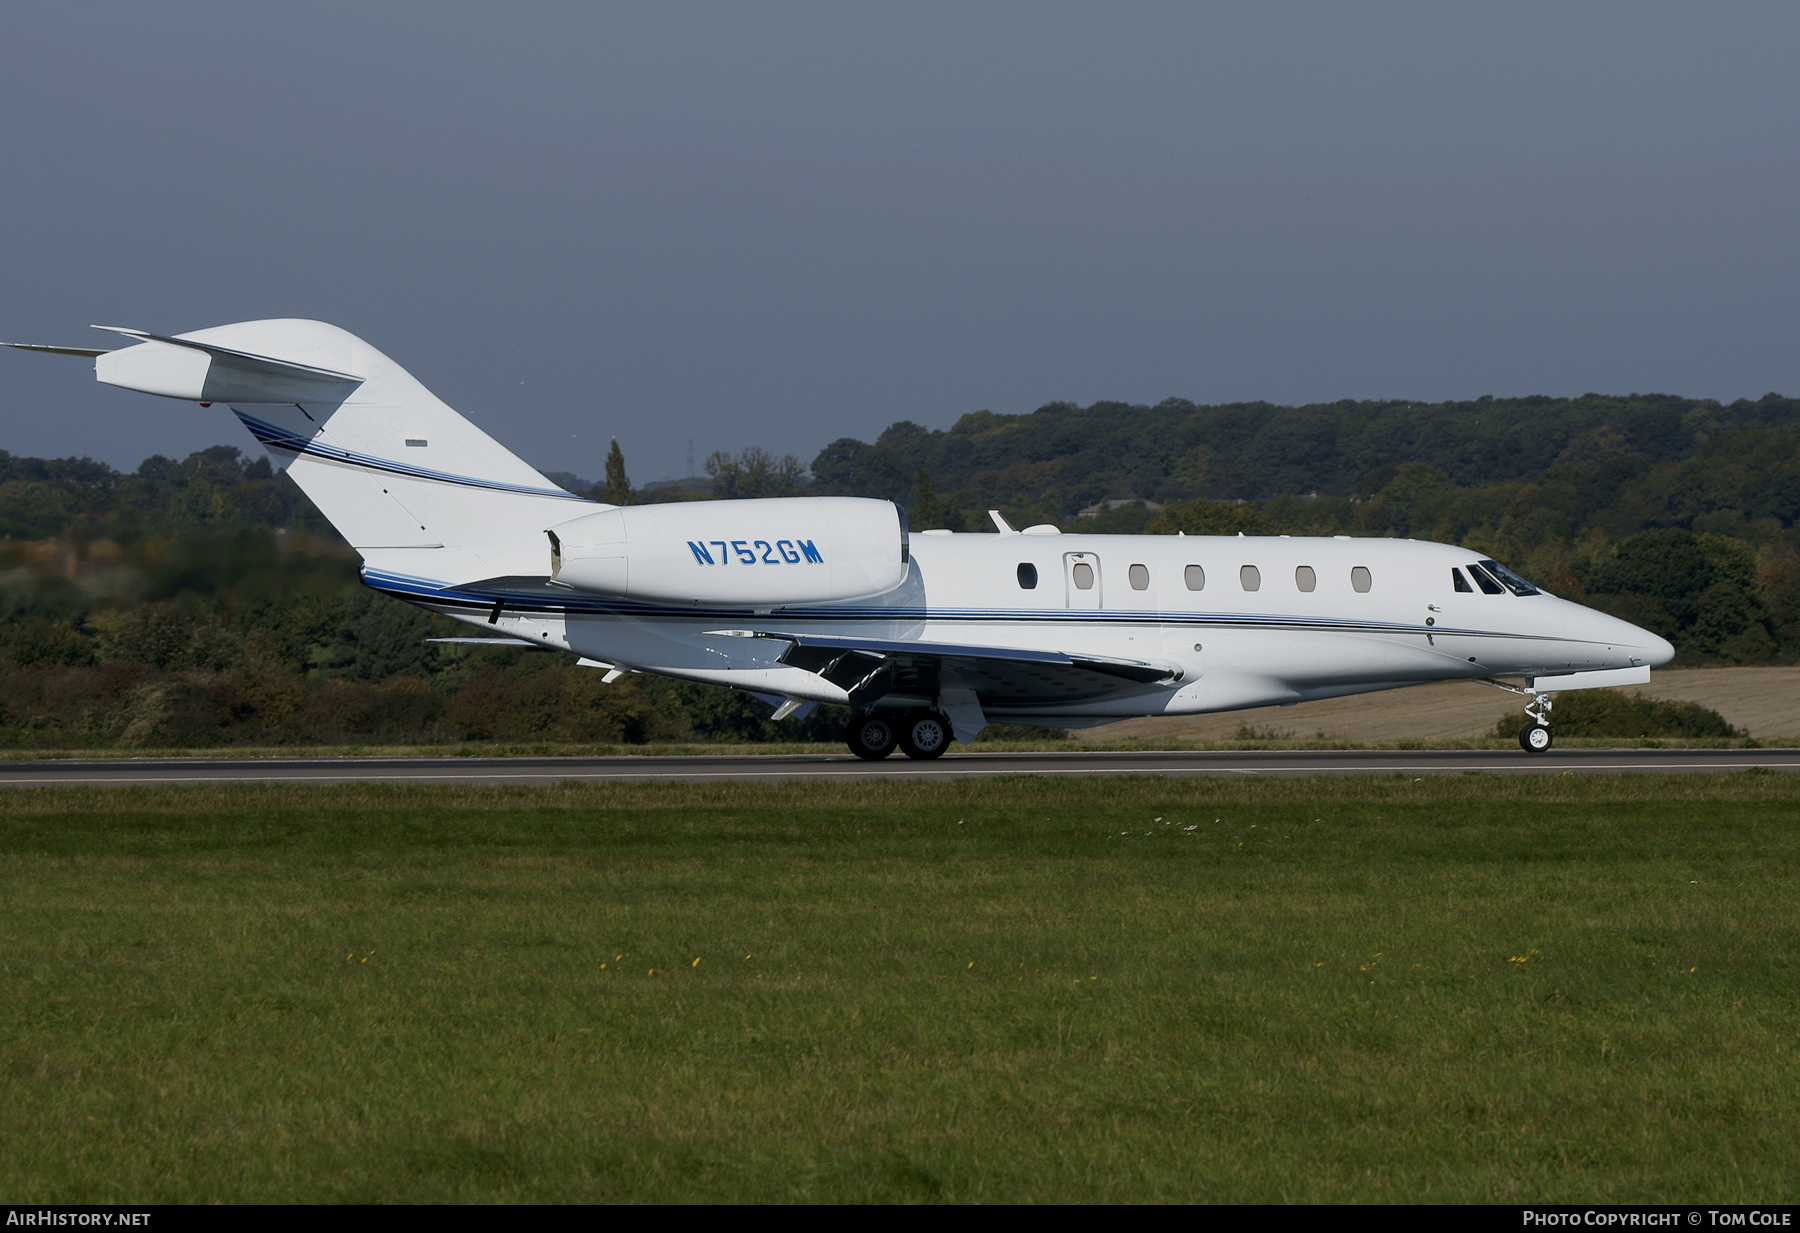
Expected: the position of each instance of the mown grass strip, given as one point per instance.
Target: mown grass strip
(1455, 989)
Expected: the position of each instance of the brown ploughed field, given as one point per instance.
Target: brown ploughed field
(1764, 702)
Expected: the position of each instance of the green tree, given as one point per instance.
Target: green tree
(1698, 591)
(617, 489)
(1660, 575)
(927, 514)
(382, 637)
(1210, 518)
(1406, 499)
(1194, 470)
(754, 472)
(1733, 621)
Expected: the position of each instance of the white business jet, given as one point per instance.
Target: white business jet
(815, 600)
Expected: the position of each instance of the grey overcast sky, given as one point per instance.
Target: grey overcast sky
(780, 224)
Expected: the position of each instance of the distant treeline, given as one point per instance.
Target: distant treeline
(1069, 457)
(207, 602)
(212, 489)
(244, 637)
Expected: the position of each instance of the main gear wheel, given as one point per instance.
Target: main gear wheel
(924, 734)
(871, 736)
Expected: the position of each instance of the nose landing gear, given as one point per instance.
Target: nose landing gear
(1534, 737)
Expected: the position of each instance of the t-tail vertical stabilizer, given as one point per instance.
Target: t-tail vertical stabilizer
(386, 461)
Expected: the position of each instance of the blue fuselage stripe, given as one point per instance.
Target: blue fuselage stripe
(280, 438)
(420, 590)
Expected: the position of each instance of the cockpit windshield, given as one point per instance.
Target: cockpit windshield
(1486, 581)
(1508, 579)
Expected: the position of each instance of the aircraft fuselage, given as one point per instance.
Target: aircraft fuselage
(1228, 616)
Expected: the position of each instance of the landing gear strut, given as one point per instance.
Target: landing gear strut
(1534, 737)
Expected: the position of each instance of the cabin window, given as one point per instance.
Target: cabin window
(1508, 579)
(1485, 581)
(1304, 578)
(1459, 582)
(1250, 578)
(1140, 578)
(1027, 576)
(1083, 573)
(1195, 578)
(1360, 581)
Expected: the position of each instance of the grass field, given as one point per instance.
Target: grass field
(1470, 989)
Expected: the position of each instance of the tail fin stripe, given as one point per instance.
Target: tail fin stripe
(283, 439)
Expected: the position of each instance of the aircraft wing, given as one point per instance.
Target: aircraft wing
(1000, 677)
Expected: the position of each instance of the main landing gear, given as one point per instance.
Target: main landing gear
(918, 734)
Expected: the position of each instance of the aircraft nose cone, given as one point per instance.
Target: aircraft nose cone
(1622, 638)
(1648, 648)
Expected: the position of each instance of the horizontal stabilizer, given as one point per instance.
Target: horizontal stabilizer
(205, 372)
(257, 363)
(90, 354)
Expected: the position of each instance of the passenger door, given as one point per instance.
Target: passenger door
(1081, 578)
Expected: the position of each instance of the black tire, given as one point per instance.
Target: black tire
(1534, 738)
(924, 735)
(871, 736)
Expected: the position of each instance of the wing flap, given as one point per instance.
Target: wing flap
(868, 669)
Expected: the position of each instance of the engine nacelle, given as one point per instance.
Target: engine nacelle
(765, 553)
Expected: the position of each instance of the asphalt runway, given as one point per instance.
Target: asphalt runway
(129, 772)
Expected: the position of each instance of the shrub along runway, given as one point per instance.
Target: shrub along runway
(1435, 988)
(780, 767)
